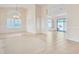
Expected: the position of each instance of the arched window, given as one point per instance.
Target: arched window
(14, 20)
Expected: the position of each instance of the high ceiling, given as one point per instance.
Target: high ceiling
(14, 5)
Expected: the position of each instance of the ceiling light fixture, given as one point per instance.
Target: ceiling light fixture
(16, 14)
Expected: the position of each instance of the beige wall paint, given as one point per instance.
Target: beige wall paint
(41, 18)
(31, 25)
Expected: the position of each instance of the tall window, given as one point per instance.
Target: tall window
(49, 24)
(61, 24)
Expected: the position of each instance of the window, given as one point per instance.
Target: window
(61, 24)
(13, 23)
(49, 23)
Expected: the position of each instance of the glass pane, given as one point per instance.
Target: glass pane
(61, 25)
(17, 23)
(49, 24)
(13, 23)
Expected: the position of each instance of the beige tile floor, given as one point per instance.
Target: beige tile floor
(37, 43)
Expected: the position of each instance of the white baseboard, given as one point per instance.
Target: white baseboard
(73, 39)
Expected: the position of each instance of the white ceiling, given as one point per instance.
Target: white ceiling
(14, 5)
(53, 9)
(56, 9)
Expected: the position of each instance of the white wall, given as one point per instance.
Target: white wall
(53, 11)
(72, 11)
(73, 22)
(41, 18)
(30, 26)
